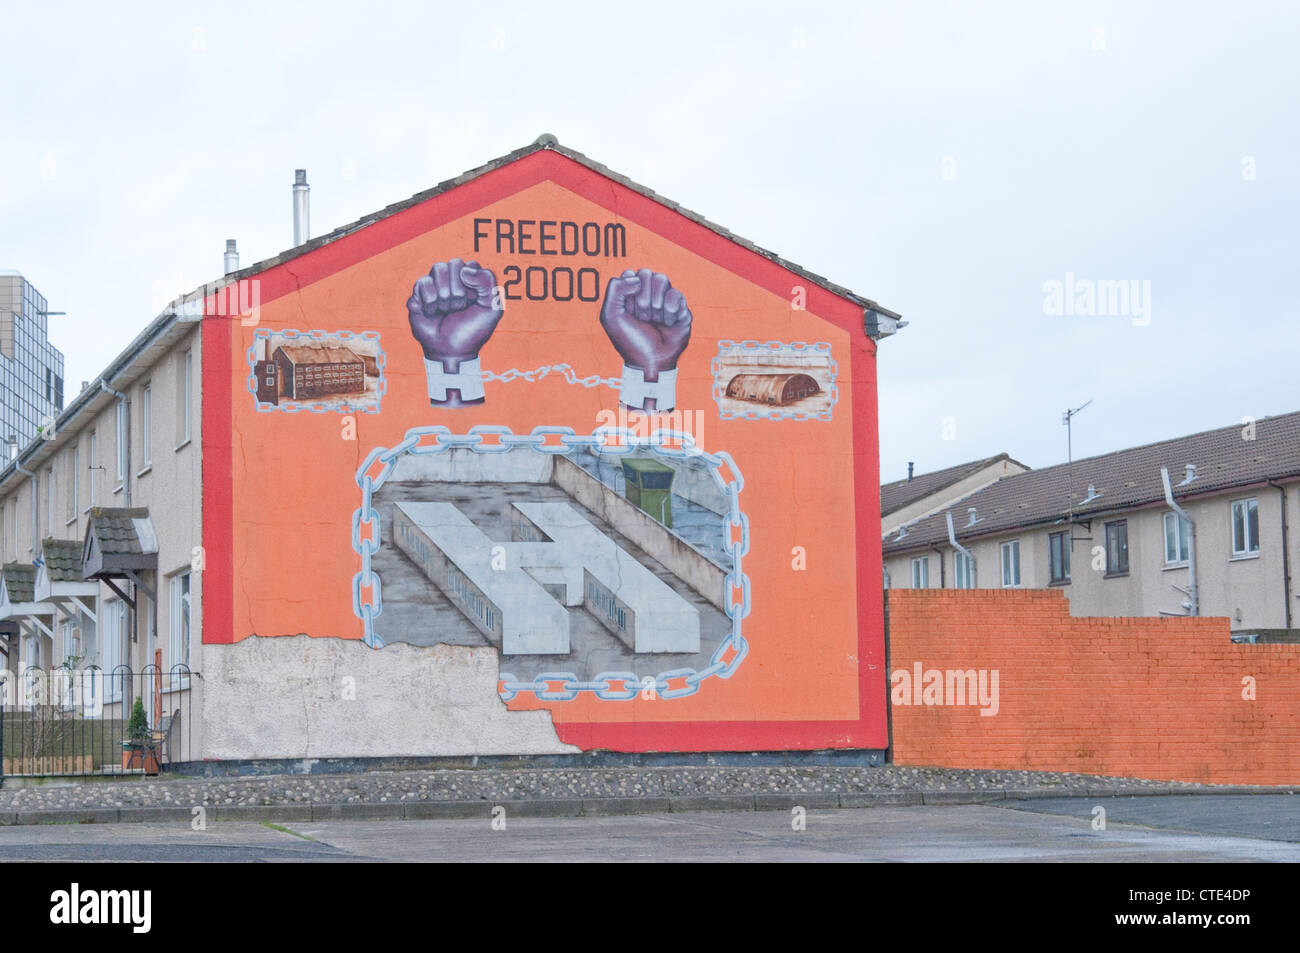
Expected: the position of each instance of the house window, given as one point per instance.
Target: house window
(121, 441)
(1177, 533)
(921, 572)
(146, 425)
(73, 479)
(89, 642)
(184, 383)
(1117, 548)
(178, 632)
(1058, 545)
(1011, 564)
(963, 571)
(1245, 527)
(72, 643)
(49, 500)
(111, 650)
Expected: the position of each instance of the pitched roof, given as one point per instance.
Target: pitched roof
(1224, 459)
(20, 581)
(62, 559)
(545, 141)
(120, 531)
(309, 354)
(902, 493)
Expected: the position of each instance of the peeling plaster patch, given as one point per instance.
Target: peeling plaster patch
(283, 697)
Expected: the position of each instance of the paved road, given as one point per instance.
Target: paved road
(1177, 829)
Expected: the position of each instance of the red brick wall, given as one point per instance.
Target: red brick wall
(1130, 697)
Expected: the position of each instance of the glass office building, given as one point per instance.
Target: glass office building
(31, 369)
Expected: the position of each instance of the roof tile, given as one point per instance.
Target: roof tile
(1224, 458)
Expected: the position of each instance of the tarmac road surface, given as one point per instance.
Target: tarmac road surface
(1177, 828)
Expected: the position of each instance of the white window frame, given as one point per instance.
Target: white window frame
(1066, 537)
(921, 572)
(1182, 533)
(49, 500)
(963, 570)
(1111, 571)
(1010, 579)
(121, 442)
(74, 479)
(184, 404)
(180, 629)
(70, 628)
(1246, 504)
(146, 426)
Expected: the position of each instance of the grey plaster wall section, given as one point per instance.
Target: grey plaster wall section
(697, 485)
(286, 697)
(465, 466)
(675, 554)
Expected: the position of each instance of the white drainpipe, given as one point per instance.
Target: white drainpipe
(1193, 595)
(952, 538)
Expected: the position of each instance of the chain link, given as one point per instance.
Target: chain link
(593, 380)
(729, 653)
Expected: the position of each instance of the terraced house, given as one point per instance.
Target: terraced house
(1103, 529)
(100, 529)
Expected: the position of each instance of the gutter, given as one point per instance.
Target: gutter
(1193, 595)
(952, 538)
(1286, 556)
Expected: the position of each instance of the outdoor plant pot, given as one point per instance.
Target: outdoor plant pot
(136, 757)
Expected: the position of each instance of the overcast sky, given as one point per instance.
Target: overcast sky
(947, 160)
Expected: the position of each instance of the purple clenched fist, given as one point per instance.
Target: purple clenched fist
(454, 309)
(649, 324)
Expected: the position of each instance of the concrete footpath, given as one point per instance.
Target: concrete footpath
(551, 792)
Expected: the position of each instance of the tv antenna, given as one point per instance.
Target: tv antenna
(1066, 417)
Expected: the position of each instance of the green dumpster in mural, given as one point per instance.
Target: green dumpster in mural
(649, 485)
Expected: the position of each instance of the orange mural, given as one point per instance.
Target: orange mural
(542, 413)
